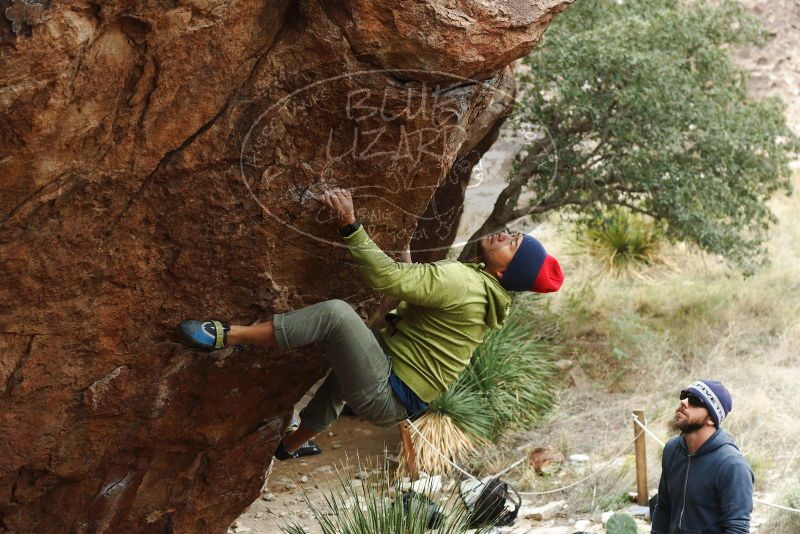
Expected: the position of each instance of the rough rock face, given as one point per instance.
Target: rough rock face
(470, 39)
(159, 161)
(775, 67)
(437, 227)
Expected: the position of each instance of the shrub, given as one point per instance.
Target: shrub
(621, 524)
(784, 521)
(508, 385)
(622, 242)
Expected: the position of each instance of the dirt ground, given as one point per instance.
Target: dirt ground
(349, 441)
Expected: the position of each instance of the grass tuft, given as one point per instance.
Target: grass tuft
(442, 432)
(623, 243)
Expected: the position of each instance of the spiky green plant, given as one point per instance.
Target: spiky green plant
(514, 372)
(372, 508)
(465, 404)
(455, 423)
(622, 242)
(507, 384)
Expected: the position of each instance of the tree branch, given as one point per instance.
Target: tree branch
(636, 209)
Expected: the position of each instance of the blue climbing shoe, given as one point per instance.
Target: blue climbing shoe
(207, 335)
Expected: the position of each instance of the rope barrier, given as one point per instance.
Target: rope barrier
(510, 467)
(584, 479)
(518, 462)
(647, 430)
(660, 442)
(577, 482)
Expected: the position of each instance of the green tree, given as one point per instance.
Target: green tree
(637, 105)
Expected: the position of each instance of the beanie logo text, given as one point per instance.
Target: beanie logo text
(711, 399)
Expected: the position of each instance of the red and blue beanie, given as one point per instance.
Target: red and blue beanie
(532, 269)
(715, 396)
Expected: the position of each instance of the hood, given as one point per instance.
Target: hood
(718, 439)
(498, 300)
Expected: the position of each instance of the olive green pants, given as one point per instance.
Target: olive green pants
(359, 368)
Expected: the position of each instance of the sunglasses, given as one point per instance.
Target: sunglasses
(693, 399)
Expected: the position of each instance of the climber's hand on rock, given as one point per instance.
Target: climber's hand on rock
(340, 202)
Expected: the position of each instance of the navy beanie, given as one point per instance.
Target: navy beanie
(522, 270)
(715, 396)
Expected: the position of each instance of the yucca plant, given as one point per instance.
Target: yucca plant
(456, 422)
(623, 243)
(448, 439)
(465, 404)
(508, 384)
(514, 373)
(380, 508)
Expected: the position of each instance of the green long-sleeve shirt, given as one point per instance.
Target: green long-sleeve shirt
(446, 310)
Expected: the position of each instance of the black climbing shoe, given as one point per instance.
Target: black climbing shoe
(309, 448)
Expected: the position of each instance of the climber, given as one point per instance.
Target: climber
(446, 309)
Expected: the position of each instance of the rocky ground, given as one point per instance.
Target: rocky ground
(350, 441)
(353, 442)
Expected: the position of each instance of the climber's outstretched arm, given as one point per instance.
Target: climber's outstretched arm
(424, 284)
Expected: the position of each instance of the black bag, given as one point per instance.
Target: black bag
(489, 501)
(433, 512)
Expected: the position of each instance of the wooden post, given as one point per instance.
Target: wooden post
(641, 459)
(408, 450)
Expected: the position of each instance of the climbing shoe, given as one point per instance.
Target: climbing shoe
(207, 335)
(309, 448)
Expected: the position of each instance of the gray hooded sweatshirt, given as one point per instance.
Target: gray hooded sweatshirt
(708, 492)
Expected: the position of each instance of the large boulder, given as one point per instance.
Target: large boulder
(434, 40)
(160, 161)
(438, 226)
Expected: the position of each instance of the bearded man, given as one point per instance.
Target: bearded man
(706, 483)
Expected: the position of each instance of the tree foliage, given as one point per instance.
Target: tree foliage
(637, 104)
